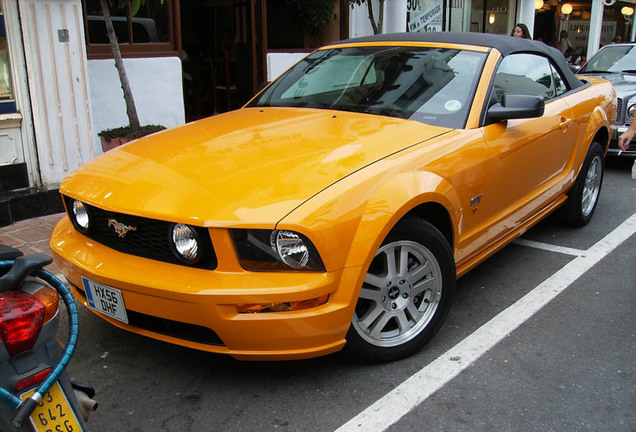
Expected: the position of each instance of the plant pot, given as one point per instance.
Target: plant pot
(111, 143)
(112, 138)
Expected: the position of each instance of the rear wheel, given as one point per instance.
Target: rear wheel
(406, 294)
(582, 199)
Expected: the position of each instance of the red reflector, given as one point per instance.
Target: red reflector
(33, 380)
(21, 319)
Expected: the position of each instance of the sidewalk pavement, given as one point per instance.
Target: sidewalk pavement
(31, 236)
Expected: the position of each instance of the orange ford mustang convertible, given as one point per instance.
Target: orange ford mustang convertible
(336, 210)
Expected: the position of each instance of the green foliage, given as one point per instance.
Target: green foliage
(314, 14)
(129, 132)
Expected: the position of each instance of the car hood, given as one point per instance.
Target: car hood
(253, 165)
(624, 84)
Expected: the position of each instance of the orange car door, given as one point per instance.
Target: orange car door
(531, 155)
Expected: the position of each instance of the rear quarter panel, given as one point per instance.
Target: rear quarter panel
(594, 108)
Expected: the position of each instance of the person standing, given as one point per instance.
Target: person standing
(565, 46)
(623, 143)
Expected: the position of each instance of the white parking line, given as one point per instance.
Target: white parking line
(548, 247)
(390, 408)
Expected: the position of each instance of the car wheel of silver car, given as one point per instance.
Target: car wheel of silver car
(583, 197)
(406, 294)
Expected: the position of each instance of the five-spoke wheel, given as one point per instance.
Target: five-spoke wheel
(406, 294)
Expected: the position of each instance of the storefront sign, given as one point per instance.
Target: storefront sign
(430, 20)
(578, 34)
(414, 5)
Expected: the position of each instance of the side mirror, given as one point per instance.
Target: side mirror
(516, 106)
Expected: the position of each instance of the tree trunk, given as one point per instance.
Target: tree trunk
(131, 110)
(376, 25)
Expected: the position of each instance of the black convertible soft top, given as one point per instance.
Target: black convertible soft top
(506, 45)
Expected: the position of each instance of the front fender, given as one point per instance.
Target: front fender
(391, 202)
(349, 221)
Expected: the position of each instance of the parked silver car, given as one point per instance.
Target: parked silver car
(617, 64)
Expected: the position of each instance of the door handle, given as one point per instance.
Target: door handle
(565, 123)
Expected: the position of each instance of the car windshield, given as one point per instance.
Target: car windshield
(430, 85)
(613, 59)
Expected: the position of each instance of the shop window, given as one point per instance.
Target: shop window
(7, 100)
(283, 31)
(303, 25)
(149, 30)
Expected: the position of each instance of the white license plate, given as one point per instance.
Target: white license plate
(105, 299)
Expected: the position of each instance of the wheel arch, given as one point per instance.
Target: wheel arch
(425, 195)
(597, 130)
(438, 216)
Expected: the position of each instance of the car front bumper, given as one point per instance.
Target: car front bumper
(177, 304)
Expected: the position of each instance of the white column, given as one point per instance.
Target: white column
(525, 15)
(394, 16)
(596, 26)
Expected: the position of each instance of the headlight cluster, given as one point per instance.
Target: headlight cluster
(631, 111)
(266, 250)
(81, 219)
(186, 243)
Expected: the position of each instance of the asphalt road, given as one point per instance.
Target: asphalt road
(568, 366)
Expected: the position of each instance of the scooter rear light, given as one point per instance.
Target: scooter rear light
(21, 319)
(33, 380)
(51, 301)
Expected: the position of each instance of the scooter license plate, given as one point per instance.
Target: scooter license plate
(105, 299)
(53, 413)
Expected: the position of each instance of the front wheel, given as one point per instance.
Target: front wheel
(583, 197)
(406, 294)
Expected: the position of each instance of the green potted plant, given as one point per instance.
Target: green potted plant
(315, 16)
(112, 138)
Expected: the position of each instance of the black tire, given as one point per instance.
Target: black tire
(583, 197)
(399, 312)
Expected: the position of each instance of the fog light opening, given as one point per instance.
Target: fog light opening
(282, 306)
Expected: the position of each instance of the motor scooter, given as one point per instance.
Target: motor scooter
(36, 392)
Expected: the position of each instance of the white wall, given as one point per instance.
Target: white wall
(156, 86)
(277, 63)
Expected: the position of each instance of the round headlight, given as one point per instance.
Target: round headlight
(185, 242)
(631, 111)
(291, 248)
(82, 220)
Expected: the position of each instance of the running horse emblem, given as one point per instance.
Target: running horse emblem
(120, 228)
